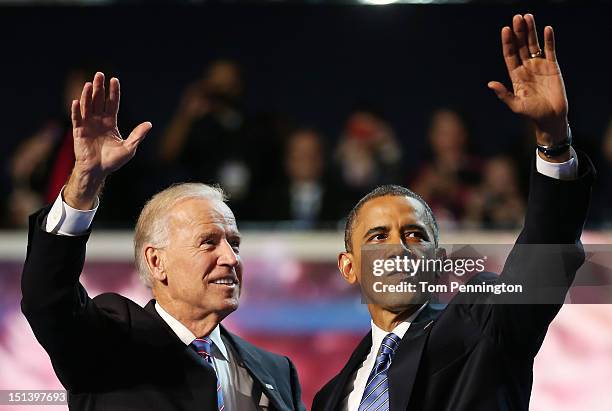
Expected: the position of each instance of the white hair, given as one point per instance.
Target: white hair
(152, 227)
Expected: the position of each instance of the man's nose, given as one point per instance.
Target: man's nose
(227, 254)
(397, 248)
(397, 240)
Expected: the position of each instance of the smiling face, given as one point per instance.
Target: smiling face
(395, 225)
(200, 271)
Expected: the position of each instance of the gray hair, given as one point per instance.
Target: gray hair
(152, 227)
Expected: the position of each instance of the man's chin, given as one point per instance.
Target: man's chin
(398, 303)
(398, 308)
(228, 306)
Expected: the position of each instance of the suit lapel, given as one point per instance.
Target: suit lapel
(251, 360)
(153, 331)
(158, 332)
(165, 338)
(341, 380)
(403, 370)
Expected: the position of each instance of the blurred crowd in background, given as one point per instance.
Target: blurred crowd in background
(279, 174)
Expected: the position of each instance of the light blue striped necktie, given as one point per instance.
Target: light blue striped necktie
(203, 346)
(376, 393)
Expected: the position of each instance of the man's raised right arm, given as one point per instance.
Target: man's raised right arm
(53, 300)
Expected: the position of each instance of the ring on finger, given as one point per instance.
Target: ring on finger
(537, 54)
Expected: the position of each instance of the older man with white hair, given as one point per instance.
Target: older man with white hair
(173, 354)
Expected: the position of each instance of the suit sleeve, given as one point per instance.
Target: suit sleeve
(65, 320)
(296, 389)
(544, 260)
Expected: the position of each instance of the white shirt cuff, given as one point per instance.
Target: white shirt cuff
(65, 220)
(567, 170)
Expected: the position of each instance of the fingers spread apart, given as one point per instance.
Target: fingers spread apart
(520, 33)
(93, 97)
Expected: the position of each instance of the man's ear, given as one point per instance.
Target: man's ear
(155, 258)
(345, 265)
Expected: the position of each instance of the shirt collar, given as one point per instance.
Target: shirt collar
(186, 336)
(378, 334)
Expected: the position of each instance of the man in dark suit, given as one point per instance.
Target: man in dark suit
(308, 196)
(173, 354)
(477, 352)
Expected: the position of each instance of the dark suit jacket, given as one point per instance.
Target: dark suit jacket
(112, 354)
(477, 353)
(335, 203)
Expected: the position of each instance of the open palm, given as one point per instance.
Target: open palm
(98, 146)
(538, 88)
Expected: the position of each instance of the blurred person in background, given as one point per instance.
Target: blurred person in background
(368, 153)
(446, 180)
(309, 196)
(497, 202)
(211, 118)
(111, 353)
(602, 203)
(42, 164)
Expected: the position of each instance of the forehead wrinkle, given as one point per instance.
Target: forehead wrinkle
(197, 220)
(410, 211)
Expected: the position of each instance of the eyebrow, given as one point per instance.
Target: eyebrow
(206, 234)
(418, 227)
(413, 227)
(234, 235)
(218, 232)
(405, 227)
(377, 229)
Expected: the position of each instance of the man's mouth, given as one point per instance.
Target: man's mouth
(226, 281)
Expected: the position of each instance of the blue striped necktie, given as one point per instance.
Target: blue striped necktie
(376, 393)
(203, 346)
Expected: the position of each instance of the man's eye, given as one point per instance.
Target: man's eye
(235, 245)
(378, 237)
(415, 235)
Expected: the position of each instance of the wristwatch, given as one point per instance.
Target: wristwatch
(559, 148)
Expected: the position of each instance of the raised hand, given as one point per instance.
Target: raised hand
(538, 88)
(99, 148)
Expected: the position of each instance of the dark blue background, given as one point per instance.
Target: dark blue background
(310, 62)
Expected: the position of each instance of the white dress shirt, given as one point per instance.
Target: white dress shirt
(357, 383)
(567, 170)
(236, 383)
(65, 220)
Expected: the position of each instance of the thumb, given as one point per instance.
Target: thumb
(137, 135)
(503, 94)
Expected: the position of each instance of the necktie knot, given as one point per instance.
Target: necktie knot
(389, 344)
(203, 346)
